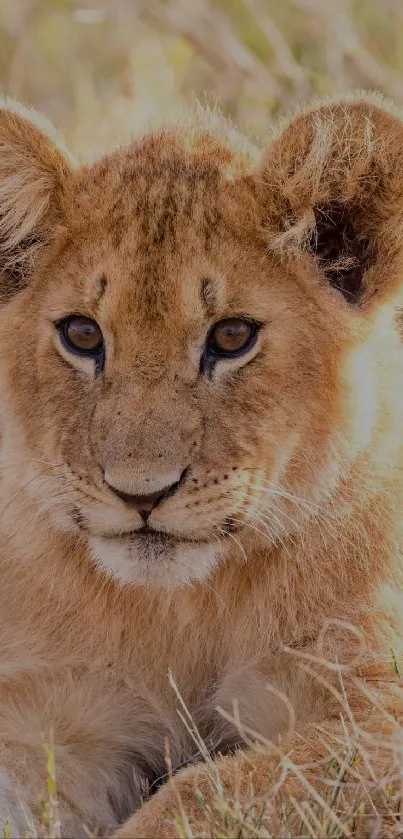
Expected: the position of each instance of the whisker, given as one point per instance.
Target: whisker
(283, 493)
(237, 542)
(318, 519)
(218, 596)
(246, 523)
(327, 517)
(48, 463)
(274, 539)
(23, 488)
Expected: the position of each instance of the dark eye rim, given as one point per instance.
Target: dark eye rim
(61, 325)
(218, 354)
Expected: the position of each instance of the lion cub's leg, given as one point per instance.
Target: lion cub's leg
(16, 816)
(89, 796)
(338, 769)
(96, 777)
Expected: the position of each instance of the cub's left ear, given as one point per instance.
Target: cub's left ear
(332, 191)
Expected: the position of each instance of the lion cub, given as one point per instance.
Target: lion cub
(201, 429)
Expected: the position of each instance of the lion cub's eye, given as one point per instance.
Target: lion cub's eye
(82, 336)
(231, 337)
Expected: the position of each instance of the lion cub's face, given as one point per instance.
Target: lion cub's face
(173, 385)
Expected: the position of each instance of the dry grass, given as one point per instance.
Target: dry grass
(103, 71)
(353, 801)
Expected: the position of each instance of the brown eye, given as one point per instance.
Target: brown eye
(232, 336)
(82, 336)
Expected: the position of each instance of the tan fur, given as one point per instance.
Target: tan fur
(286, 528)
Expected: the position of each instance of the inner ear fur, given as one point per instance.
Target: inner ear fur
(34, 174)
(332, 189)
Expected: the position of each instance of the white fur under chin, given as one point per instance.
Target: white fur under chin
(178, 564)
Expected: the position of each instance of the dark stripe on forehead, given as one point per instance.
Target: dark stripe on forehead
(103, 282)
(97, 289)
(170, 197)
(208, 295)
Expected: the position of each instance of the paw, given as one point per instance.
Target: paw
(206, 800)
(178, 807)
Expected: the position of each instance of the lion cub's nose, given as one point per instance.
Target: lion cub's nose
(145, 504)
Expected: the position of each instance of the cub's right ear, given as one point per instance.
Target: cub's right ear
(34, 176)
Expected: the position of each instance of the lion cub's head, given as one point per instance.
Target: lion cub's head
(187, 335)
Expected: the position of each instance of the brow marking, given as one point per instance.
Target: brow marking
(208, 295)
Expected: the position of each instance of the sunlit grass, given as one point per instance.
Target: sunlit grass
(104, 70)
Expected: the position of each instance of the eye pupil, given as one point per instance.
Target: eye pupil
(231, 336)
(81, 335)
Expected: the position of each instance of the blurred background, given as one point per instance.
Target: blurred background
(103, 70)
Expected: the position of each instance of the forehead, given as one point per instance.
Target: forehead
(148, 195)
(160, 223)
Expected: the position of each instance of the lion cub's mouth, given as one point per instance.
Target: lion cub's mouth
(149, 536)
(140, 532)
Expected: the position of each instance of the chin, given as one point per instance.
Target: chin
(155, 560)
